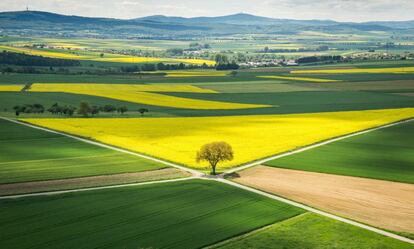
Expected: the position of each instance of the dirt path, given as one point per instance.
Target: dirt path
(91, 181)
(385, 204)
(196, 174)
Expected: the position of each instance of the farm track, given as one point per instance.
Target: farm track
(198, 175)
(92, 188)
(8, 189)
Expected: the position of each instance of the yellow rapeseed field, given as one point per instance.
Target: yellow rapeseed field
(315, 80)
(90, 87)
(252, 137)
(179, 74)
(143, 94)
(94, 56)
(11, 88)
(397, 70)
(44, 53)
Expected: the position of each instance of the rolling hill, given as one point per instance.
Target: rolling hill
(158, 26)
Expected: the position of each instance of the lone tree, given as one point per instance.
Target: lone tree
(84, 109)
(142, 111)
(122, 109)
(214, 153)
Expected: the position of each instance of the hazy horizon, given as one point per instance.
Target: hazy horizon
(338, 10)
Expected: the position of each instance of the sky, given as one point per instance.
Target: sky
(339, 10)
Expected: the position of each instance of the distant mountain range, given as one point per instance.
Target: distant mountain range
(46, 23)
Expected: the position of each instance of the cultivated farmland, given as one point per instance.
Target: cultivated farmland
(10, 88)
(252, 137)
(127, 107)
(30, 155)
(304, 232)
(186, 214)
(143, 94)
(383, 154)
(379, 203)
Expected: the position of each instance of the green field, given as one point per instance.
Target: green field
(311, 231)
(10, 99)
(385, 154)
(303, 101)
(186, 214)
(28, 154)
(282, 102)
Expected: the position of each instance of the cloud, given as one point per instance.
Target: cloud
(343, 10)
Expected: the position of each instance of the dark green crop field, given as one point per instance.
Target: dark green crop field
(310, 231)
(302, 102)
(10, 99)
(27, 154)
(382, 154)
(186, 214)
(282, 102)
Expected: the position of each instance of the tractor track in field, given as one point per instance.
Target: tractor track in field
(220, 178)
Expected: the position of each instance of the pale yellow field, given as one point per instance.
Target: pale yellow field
(143, 94)
(11, 88)
(43, 53)
(314, 80)
(94, 56)
(179, 74)
(397, 70)
(252, 137)
(82, 87)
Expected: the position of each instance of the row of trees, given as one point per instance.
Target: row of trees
(161, 66)
(324, 58)
(84, 109)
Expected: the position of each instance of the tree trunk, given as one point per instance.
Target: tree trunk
(213, 166)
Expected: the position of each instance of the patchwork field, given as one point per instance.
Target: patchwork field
(317, 80)
(164, 87)
(96, 56)
(310, 231)
(143, 94)
(252, 137)
(29, 155)
(379, 203)
(186, 214)
(396, 70)
(382, 154)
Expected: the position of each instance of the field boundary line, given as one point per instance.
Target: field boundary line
(192, 171)
(316, 211)
(199, 175)
(312, 146)
(253, 232)
(58, 192)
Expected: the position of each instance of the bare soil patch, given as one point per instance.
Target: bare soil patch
(93, 181)
(384, 204)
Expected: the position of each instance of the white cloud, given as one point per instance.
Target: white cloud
(343, 10)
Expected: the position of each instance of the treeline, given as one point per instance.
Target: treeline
(162, 66)
(84, 109)
(19, 59)
(293, 50)
(223, 63)
(322, 58)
